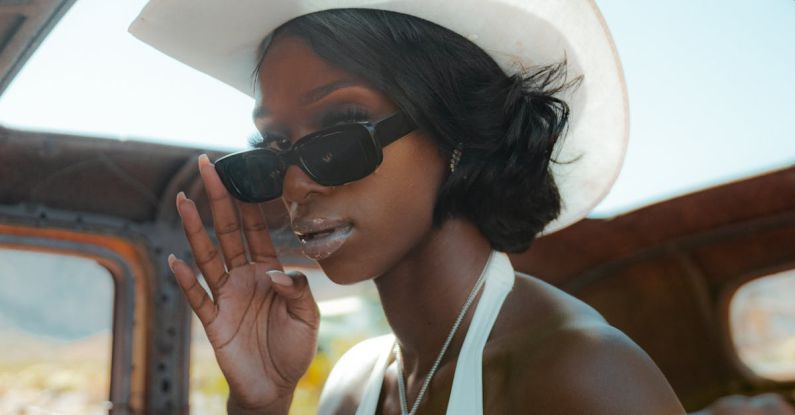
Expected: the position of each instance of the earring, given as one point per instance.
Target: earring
(455, 157)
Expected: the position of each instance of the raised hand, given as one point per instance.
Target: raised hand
(261, 322)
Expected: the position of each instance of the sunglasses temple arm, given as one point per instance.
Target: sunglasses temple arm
(392, 128)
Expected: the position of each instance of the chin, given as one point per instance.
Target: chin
(342, 271)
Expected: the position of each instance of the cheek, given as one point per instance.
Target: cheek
(407, 183)
(393, 208)
(403, 208)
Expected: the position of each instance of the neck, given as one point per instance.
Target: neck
(424, 293)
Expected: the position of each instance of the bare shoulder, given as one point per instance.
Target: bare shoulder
(346, 382)
(594, 368)
(573, 361)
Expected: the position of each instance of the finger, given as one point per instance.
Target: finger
(197, 297)
(294, 288)
(227, 226)
(204, 251)
(255, 227)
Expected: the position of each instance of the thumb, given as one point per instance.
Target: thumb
(294, 288)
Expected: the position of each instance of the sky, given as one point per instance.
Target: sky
(710, 83)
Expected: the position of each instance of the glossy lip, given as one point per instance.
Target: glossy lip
(336, 232)
(305, 227)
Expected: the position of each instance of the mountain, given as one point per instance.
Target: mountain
(58, 296)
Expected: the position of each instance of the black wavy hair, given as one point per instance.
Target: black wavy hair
(506, 126)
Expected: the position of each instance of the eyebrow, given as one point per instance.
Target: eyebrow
(314, 95)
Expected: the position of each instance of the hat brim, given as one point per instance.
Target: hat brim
(222, 39)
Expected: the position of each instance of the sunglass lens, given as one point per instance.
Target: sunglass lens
(340, 156)
(254, 176)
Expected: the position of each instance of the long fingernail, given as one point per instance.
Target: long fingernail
(204, 161)
(171, 261)
(280, 278)
(180, 198)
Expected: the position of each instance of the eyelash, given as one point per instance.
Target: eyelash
(344, 115)
(268, 141)
(329, 119)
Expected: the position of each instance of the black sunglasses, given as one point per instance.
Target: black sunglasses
(331, 157)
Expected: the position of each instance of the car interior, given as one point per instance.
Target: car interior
(92, 321)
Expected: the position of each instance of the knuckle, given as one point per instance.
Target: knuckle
(223, 279)
(195, 284)
(192, 228)
(202, 302)
(238, 258)
(227, 228)
(265, 259)
(209, 256)
(257, 226)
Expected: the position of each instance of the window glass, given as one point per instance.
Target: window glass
(346, 318)
(763, 325)
(91, 77)
(56, 316)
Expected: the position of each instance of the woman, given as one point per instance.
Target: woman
(405, 155)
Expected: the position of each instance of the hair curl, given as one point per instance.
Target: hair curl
(506, 126)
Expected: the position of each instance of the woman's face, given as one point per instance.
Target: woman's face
(358, 230)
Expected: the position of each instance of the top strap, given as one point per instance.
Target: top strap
(466, 396)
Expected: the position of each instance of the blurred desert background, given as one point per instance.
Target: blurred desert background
(56, 315)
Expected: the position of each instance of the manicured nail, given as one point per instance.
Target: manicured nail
(180, 198)
(171, 261)
(204, 161)
(280, 278)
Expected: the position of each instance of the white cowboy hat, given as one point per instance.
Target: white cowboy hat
(222, 38)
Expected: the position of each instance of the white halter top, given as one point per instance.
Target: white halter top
(466, 396)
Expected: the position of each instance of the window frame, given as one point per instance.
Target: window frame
(118, 257)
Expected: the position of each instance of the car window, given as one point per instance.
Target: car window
(91, 77)
(762, 314)
(56, 314)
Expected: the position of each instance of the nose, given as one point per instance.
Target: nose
(298, 187)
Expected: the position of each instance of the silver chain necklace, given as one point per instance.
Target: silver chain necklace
(399, 355)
